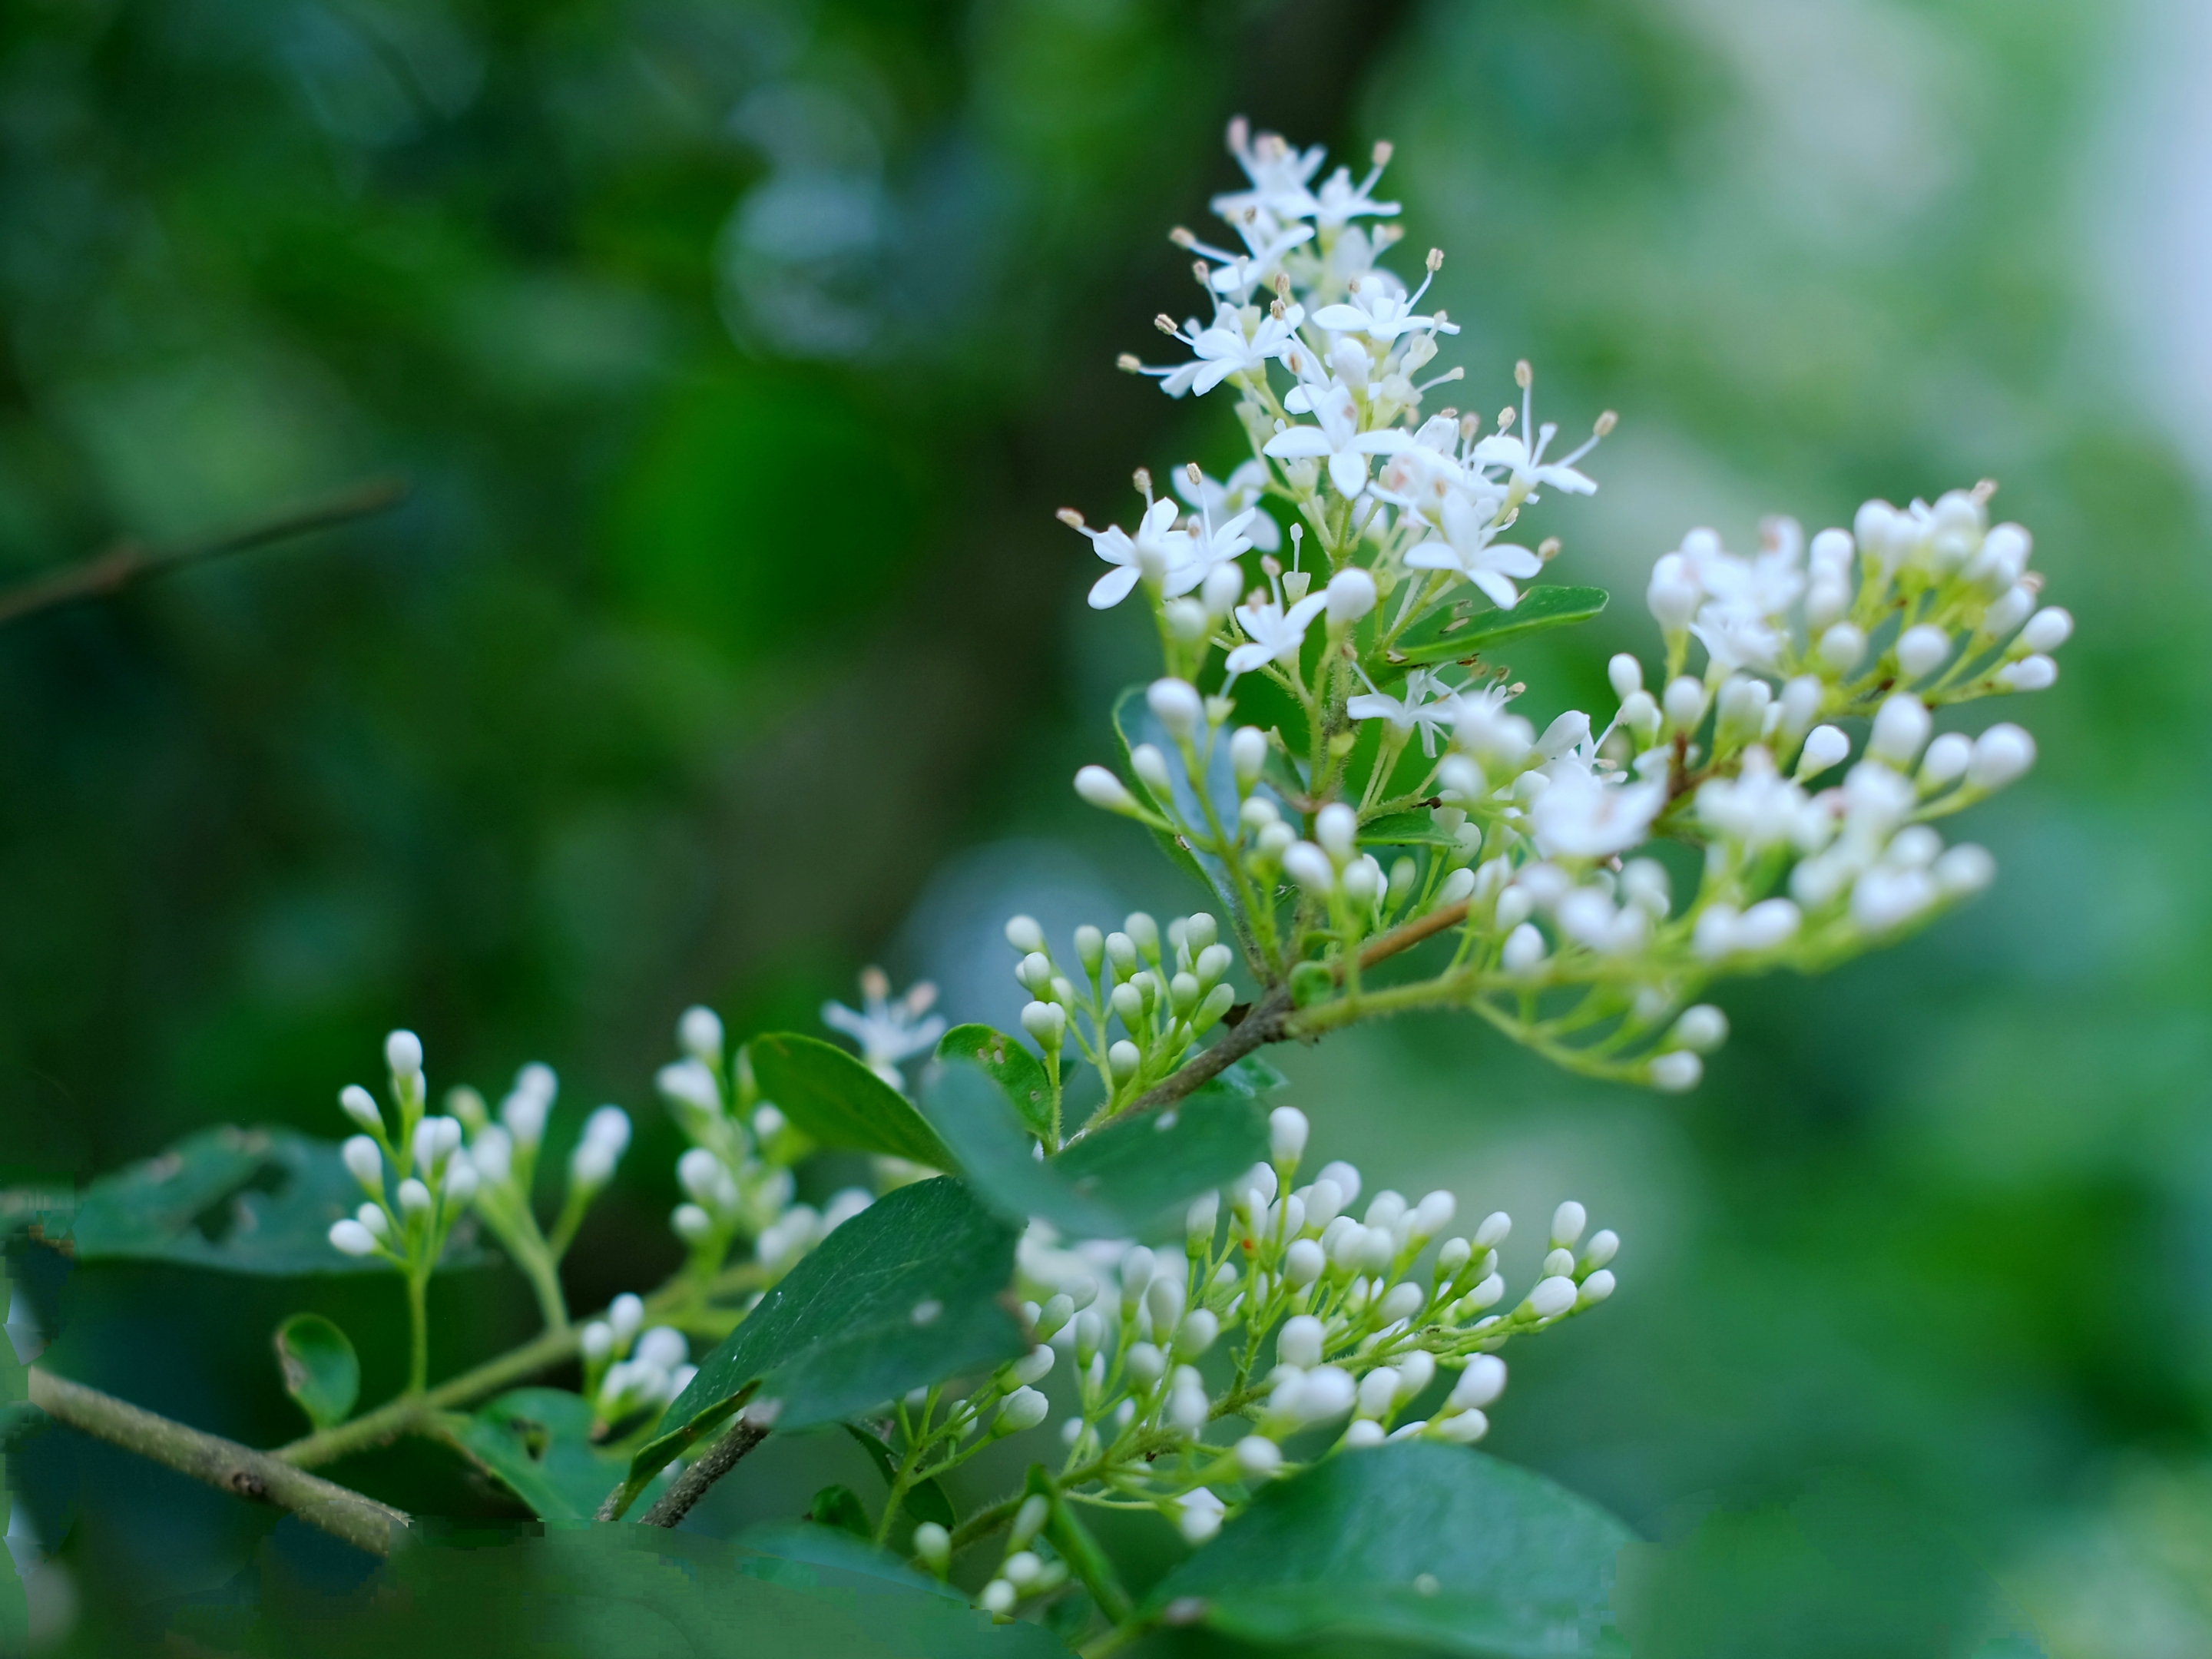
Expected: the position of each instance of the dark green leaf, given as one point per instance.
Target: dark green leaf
(1008, 1064)
(1117, 1180)
(1414, 829)
(907, 1293)
(242, 1200)
(566, 1589)
(839, 1507)
(1415, 1542)
(1540, 608)
(925, 1502)
(320, 1369)
(539, 1442)
(838, 1103)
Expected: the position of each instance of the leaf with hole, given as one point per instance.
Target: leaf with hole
(909, 1292)
(321, 1372)
(1415, 1542)
(838, 1103)
(1541, 608)
(1118, 1181)
(538, 1442)
(1010, 1065)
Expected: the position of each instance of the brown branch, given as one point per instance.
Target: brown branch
(127, 562)
(717, 1460)
(256, 1476)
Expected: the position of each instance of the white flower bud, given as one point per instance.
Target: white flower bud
(624, 1315)
(1336, 828)
(663, 1348)
(1402, 1301)
(414, 1197)
(358, 1104)
(1842, 646)
(1286, 1135)
(1452, 1255)
(1463, 1427)
(1901, 726)
(1595, 1288)
(2036, 673)
(1964, 869)
(1675, 1071)
(1103, 790)
(1144, 930)
(1460, 779)
(690, 1223)
(1625, 674)
(371, 1217)
(1703, 1028)
(996, 1597)
(1024, 935)
(1200, 1515)
(1305, 1262)
(1433, 1214)
(1921, 650)
(1361, 1432)
(1058, 1309)
(1195, 1335)
(2048, 628)
(1553, 1297)
(1947, 759)
(1378, 1391)
(1523, 951)
(364, 1162)
(2010, 610)
(1090, 1332)
(1602, 1248)
(1123, 1059)
(1025, 1408)
(460, 1183)
(1033, 1366)
(1351, 596)
(1414, 1371)
(1824, 746)
(1223, 586)
(1673, 595)
(1152, 769)
(1046, 1022)
(1485, 1294)
(1567, 1223)
(934, 1545)
(1199, 1220)
(349, 1237)
(1308, 865)
(403, 1053)
(1258, 1457)
(699, 1033)
(1299, 1342)
(1684, 702)
(1163, 1301)
(1362, 880)
(1480, 1383)
(1177, 706)
(2001, 753)
(1247, 755)
(1212, 963)
(1137, 1270)
(595, 1341)
(1496, 1226)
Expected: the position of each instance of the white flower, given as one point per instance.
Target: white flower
(1244, 487)
(1338, 437)
(1586, 815)
(1279, 176)
(1467, 549)
(888, 1030)
(1275, 634)
(1223, 348)
(1380, 308)
(1413, 710)
(1526, 469)
(1339, 201)
(1268, 244)
(1160, 551)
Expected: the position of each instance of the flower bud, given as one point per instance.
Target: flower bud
(1258, 1457)
(414, 1197)
(1090, 1332)
(1200, 1515)
(691, 1223)
(1351, 596)
(1177, 706)
(1402, 1301)
(403, 1053)
(1553, 1297)
(1336, 827)
(1033, 1366)
(1247, 755)
(358, 1104)
(1308, 865)
(932, 1545)
(1144, 930)
(1025, 1408)
(1305, 1262)
(349, 1237)
(1286, 1135)
(1123, 1059)
(1921, 650)
(1163, 1301)
(1046, 1023)
(2001, 753)
(624, 1315)
(1675, 1071)
(1947, 760)
(1480, 1383)
(1152, 769)
(1702, 1029)
(1841, 646)
(1626, 675)
(364, 1162)
(1433, 1214)
(460, 1183)
(1104, 790)
(372, 1216)
(1362, 880)
(2035, 674)
(1672, 595)
(1223, 586)
(595, 1341)
(1595, 1288)
(1684, 702)
(2012, 609)
(1602, 1248)
(1378, 1391)
(2048, 628)
(1195, 1335)
(1824, 746)
(996, 1597)
(1523, 951)
(1964, 869)
(1213, 962)
(1901, 726)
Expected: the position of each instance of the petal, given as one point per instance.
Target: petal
(1433, 556)
(1348, 470)
(1110, 589)
(1246, 657)
(1303, 612)
(1567, 479)
(1389, 441)
(1299, 441)
(1341, 318)
(1497, 586)
(1512, 560)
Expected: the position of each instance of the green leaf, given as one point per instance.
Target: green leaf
(240, 1201)
(1415, 1542)
(1007, 1063)
(1414, 829)
(1115, 1181)
(1540, 608)
(840, 1105)
(840, 1507)
(561, 1589)
(926, 1502)
(907, 1293)
(538, 1442)
(320, 1369)
(1085, 1559)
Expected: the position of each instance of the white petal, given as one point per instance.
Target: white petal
(1110, 589)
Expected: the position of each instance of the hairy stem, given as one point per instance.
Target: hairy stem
(257, 1476)
(717, 1460)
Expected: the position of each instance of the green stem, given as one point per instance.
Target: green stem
(418, 1329)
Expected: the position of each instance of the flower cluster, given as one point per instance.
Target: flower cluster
(629, 1370)
(1381, 789)
(1288, 1327)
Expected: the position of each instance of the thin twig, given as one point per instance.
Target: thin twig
(239, 1470)
(127, 562)
(717, 1460)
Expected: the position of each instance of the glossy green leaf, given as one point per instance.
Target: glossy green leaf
(1540, 608)
(1414, 829)
(907, 1293)
(1007, 1063)
(569, 1589)
(838, 1103)
(1115, 1181)
(321, 1372)
(925, 1502)
(240, 1201)
(538, 1442)
(1415, 1542)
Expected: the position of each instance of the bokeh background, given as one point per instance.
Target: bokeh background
(738, 352)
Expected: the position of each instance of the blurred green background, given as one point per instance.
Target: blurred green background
(739, 351)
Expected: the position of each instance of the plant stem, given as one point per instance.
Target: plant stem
(717, 1460)
(418, 1329)
(345, 1514)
